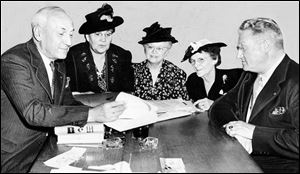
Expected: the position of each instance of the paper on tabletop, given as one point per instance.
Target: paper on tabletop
(65, 158)
(138, 113)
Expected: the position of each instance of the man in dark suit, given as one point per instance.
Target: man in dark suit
(35, 93)
(262, 110)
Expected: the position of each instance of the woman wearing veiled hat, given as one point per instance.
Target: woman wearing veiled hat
(208, 83)
(157, 78)
(98, 65)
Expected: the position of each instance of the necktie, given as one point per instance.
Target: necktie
(53, 77)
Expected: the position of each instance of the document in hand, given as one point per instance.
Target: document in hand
(89, 133)
(138, 113)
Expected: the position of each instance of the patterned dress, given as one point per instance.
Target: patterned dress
(170, 82)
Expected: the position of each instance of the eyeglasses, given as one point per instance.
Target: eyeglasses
(157, 49)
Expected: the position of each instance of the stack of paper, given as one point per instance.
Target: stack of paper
(90, 133)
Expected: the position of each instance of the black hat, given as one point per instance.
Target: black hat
(195, 47)
(155, 33)
(100, 20)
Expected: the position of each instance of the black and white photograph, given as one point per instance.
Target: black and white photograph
(150, 86)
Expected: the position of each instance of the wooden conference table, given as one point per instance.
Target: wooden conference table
(201, 147)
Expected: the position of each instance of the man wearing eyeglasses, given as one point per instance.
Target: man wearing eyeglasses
(98, 65)
(262, 111)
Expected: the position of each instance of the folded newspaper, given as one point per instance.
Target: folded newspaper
(88, 134)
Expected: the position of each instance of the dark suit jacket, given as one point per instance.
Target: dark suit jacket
(196, 89)
(28, 110)
(81, 68)
(276, 134)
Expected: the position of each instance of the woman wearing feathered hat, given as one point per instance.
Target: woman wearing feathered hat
(98, 65)
(208, 83)
(157, 78)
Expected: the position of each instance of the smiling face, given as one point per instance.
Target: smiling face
(155, 52)
(203, 63)
(56, 36)
(100, 41)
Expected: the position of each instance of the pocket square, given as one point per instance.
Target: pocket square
(278, 111)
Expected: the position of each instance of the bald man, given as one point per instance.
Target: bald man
(35, 93)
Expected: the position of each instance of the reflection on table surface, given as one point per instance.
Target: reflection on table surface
(201, 147)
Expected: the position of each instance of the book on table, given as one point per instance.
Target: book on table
(91, 133)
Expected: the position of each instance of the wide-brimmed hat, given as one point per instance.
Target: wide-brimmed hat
(195, 47)
(100, 20)
(155, 33)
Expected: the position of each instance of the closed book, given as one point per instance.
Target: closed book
(70, 129)
(81, 138)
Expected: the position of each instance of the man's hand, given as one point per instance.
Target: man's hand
(239, 128)
(106, 112)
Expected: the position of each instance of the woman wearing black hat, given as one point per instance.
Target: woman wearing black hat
(157, 78)
(97, 65)
(208, 83)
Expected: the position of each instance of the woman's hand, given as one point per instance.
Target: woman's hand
(203, 104)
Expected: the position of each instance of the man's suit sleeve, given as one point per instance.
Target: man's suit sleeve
(31, 101)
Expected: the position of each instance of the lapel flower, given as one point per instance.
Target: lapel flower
(224, 77)
(67, 83)
(221, 92)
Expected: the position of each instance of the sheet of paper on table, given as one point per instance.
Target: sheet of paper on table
(173, 108)
(65, 158)
(141, 112)
(172, 165)
(138, 113)
(119, 167)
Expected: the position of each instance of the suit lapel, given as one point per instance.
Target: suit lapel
(39, 67)
(60, 82)
(245, 93)
(271, 89)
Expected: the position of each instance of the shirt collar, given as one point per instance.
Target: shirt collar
(265, 76)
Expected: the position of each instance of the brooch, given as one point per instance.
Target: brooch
(224, 77)
(67, 83)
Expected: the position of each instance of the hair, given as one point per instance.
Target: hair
(213, 51)
(264, 26)
(41, 16)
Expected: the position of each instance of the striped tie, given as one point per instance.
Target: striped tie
(53, 77)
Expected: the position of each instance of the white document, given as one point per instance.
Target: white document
(119, 167)
(65, 158)
(172, 165)
(173, 105)
(135, 106)
(173, 108)
(138, 113)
